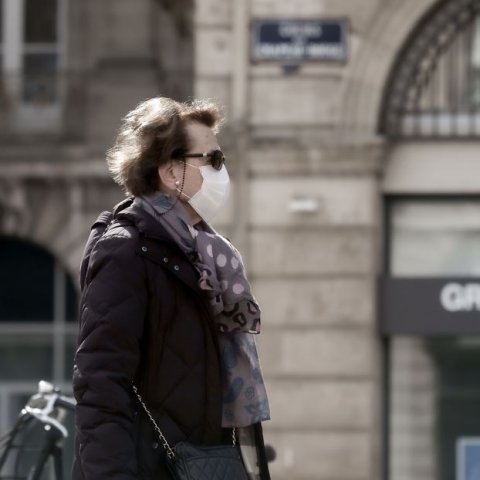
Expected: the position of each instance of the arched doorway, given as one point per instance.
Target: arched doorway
(429, 310)
(38, 311)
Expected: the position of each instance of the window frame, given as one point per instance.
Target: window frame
(25, 116)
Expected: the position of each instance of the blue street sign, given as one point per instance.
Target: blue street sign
(299, 40)
(468, 458)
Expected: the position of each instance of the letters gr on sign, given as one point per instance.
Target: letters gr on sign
(298, 40)
(455, 297)
(430, 306)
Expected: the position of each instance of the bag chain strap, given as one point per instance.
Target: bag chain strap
(165, 444)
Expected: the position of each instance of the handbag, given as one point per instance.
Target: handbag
(187, 461)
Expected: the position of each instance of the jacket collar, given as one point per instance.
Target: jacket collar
(173, 259)
(145, 223)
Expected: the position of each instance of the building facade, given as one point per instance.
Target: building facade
(354, 181)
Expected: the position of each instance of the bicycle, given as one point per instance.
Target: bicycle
(43, 414)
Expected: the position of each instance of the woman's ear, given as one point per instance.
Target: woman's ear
(167, 177)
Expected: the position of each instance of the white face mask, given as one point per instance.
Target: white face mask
(213, 193)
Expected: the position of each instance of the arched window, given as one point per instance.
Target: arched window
(37, 314)
(434, 87)
(37, 326)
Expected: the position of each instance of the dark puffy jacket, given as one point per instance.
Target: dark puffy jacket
(143, 319)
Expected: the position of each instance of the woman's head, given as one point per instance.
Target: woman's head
(155, 133)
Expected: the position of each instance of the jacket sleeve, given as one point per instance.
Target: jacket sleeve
(96, 231)
(112, 316)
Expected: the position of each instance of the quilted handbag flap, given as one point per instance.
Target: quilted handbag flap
(220, 462)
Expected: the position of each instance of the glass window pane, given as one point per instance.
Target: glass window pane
(40, 79)
(40, 63)
(40, 21)
(28, 358)
(71, 303)
(26, 282)
(435, 238)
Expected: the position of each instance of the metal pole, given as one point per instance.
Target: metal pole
(59, 324)
(240, 67)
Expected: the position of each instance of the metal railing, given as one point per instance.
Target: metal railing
(434, 88)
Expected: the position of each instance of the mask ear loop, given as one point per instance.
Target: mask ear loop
(180, 192)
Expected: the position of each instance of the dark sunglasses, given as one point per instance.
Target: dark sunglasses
(216, 158)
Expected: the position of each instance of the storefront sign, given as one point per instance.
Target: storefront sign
(430, 306)
(299, 40)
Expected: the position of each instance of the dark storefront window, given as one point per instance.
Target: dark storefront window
(433, 387)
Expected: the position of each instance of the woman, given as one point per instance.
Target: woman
(166, 307)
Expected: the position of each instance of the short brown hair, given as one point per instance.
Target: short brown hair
(150, 135)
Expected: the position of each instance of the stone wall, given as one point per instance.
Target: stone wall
(314, 273)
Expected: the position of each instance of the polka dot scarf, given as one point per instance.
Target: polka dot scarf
(237, 315)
